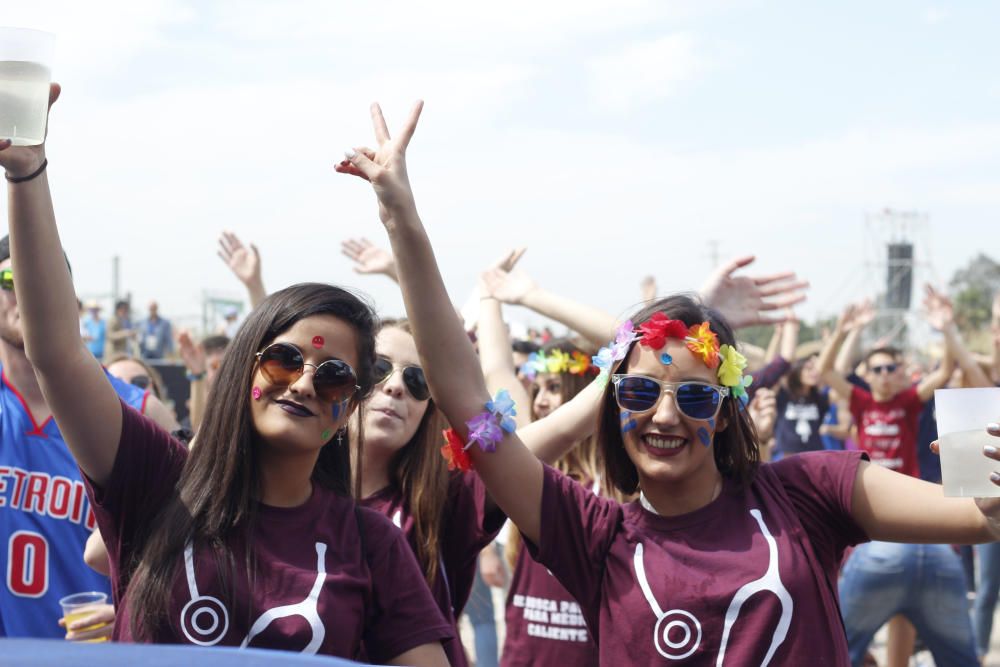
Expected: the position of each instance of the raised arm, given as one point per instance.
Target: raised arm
(75, 387)
(245, 264)
(789, 336)
(831, 376)
(517, 288)
(940, 315)
(748, 300)
(495, 357)
(512, 474)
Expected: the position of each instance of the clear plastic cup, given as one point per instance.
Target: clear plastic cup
(962, 416)
(25, 62)
(78, 605)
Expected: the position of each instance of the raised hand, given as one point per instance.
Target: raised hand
(506, 286)
(20, 161)
(764, 411)
(744, 300)
(369, 258)
(856, 316)
(190, 353)
(940, 312)
(385, 167)
(244, 262)
(647, 289)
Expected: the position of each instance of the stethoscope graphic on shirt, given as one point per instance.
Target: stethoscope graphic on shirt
(679, 619)
(205, 621)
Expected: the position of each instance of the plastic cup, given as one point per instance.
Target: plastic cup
(962, 416)
(25, 62)
(78, 605)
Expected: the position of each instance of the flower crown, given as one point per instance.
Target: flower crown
(557, 361)
(703, 343)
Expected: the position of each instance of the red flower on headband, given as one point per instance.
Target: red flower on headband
(703, 343)
(454, 451)
(657, 329)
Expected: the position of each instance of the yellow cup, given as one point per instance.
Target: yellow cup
(80, 605)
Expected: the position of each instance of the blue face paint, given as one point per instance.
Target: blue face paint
(666, 359)
(625, 415)
(703, 435)
(628, 426)
(711, 422)
(339, 408)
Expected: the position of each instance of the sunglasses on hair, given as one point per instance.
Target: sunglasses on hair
(7, 280)
(413, 377)
(885, 368)
(695, 400)
(283, 364)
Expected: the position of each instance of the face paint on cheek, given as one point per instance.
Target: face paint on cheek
(711, 422)
(256, 392)
(704, 436)
(326, 435)
(666, 359)
(339, 409)
(317, 342)
(627, 422)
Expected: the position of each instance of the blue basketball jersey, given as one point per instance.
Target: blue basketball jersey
(45, 518)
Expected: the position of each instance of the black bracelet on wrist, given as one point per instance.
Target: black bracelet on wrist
(22, 179)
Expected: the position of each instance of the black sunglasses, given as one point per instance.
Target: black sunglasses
(413, 377)
(283, 364)
(696, 400)
(885, 368)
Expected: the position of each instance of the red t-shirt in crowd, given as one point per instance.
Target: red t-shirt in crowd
(749, 579)
(887, 430)
(314, 590)
(470, 522)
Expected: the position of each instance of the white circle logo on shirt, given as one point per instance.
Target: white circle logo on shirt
(204, 620)
(678, 634)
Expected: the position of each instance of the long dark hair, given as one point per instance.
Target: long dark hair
(796, 388)
(219, 486)
(421, 474)
(736, 451)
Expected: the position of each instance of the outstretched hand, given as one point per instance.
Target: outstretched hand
(744, 300)
(856, 316)
(368, 258)
(506, 286)
(190, 352)
(21, 161)
(385, 167)
(940, 312)
(244, 262)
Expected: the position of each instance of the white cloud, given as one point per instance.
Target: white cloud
(642, 72)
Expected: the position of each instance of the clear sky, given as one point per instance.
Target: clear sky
(614, 139)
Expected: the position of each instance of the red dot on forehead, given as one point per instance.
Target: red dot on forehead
(318, 342)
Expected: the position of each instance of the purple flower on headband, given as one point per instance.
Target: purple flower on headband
(625, 335)
(502, 406)
(484, 431)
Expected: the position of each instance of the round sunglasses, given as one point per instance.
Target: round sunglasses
(413, 377)
(283, 364)
(695, 400)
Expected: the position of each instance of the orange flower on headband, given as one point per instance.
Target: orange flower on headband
(580, 363)
(454, 451)
(703, 342)
(657, 329)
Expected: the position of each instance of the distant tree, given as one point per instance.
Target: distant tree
(972, 289)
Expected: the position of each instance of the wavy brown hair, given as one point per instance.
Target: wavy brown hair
(217, 494)
(421, 474)
(736, 451)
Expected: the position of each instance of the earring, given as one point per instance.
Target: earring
(340, 437)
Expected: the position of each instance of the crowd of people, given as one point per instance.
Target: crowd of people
(351, 484)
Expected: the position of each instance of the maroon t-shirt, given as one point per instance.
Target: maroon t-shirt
(314, 590)
(887, 430)
(545, 625)
(748, 579)
(466, 528)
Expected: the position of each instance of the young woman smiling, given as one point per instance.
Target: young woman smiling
(722, 558)
(252, 538)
